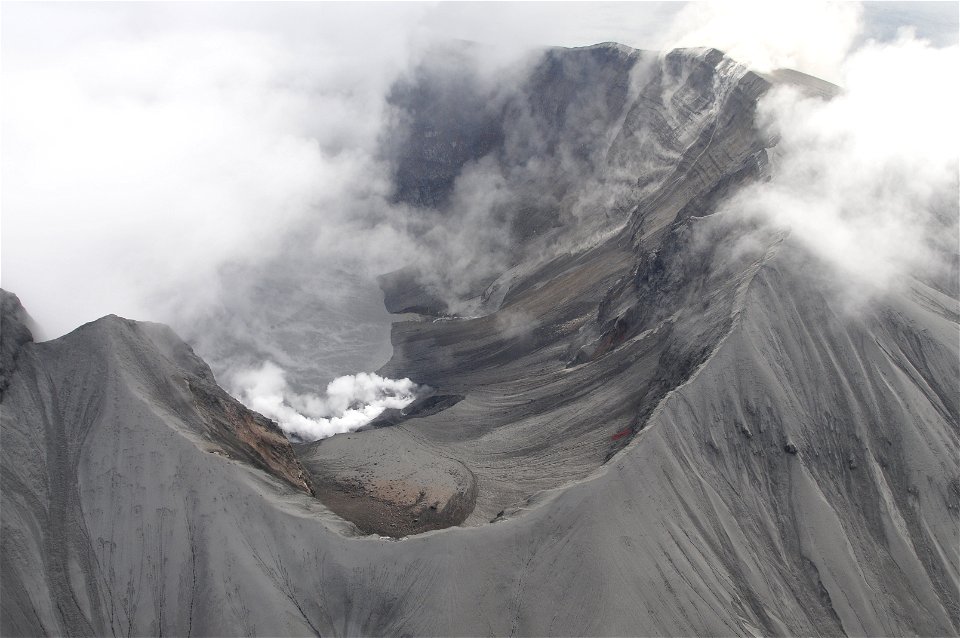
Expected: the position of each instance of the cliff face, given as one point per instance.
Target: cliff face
(579, 140)
(660, 428)
(745, 399)
(14, 333)
(643, 307)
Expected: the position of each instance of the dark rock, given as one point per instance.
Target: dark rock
(16, 329)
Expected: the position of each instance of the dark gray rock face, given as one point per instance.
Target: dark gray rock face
(575, 144)
(535, 415)
(15, 331)
(449, 116)
(619, 411)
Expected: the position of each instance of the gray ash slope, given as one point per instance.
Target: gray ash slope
(672, 436)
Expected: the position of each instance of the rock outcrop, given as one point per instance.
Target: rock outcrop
(15, 331)
(648, 305)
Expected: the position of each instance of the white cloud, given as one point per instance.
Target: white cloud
(134, 170)
(813, 37)
(868, 180)
(147, 145)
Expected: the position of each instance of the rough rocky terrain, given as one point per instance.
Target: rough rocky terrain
(534, 416)
(662, 430)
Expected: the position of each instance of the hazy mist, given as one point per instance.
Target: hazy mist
(225, 171)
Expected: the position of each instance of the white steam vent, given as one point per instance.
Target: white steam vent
(351, 401)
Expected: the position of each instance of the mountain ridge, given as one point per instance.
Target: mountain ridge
(660, 431)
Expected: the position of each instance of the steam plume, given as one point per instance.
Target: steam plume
(351, 401)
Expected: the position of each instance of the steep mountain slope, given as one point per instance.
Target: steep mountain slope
(804, 480)
(97, 426)
(533, 415)
(678, 426)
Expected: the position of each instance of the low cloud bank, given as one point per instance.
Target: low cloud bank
(350, 402)
(868, 180)
(151, 148)
(773, 35)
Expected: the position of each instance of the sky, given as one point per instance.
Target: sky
(153, 155)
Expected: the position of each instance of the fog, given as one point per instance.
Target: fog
(223, 170)
(868, 180)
